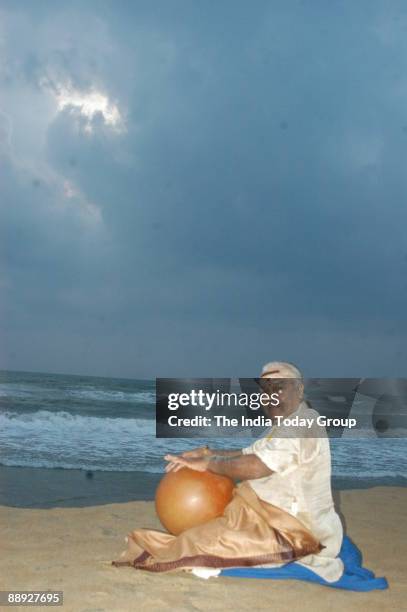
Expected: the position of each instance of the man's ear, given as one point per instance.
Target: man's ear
(301, 390)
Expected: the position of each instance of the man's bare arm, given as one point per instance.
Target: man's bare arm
(225, 453)
(242, 467)
(205, 451)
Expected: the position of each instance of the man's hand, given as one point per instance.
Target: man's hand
(195, 463)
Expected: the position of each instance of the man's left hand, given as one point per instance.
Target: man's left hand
(176, 463)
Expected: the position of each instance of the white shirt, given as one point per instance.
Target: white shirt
(301, 485)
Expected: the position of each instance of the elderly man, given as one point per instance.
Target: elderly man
(282, 509)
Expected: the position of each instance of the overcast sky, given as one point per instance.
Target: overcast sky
(193, 188)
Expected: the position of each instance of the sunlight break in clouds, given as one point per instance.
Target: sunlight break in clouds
(89, 104)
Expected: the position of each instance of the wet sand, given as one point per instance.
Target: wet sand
(24, 487)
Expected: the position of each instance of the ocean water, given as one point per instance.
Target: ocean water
(108, 424)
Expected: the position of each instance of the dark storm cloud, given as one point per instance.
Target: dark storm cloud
(253, 205)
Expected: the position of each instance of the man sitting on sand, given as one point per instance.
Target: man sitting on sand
(281, 511)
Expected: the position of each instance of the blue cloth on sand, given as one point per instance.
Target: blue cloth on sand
(354, 578)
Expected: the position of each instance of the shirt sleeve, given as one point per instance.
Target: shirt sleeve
(280, 455)
(311, 448)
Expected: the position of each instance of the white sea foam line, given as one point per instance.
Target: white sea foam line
(62, 415)
(128, 396)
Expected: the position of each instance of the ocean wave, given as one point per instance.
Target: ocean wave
(12, 391)
(64, 440)
(62, 422)
(18, 391)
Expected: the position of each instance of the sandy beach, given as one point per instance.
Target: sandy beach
(71, 549)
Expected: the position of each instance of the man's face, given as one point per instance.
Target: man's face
(289, 391)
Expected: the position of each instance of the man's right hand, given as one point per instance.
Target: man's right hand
(197, 453)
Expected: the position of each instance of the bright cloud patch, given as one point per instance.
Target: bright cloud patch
(88, 104)
(89, 212)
